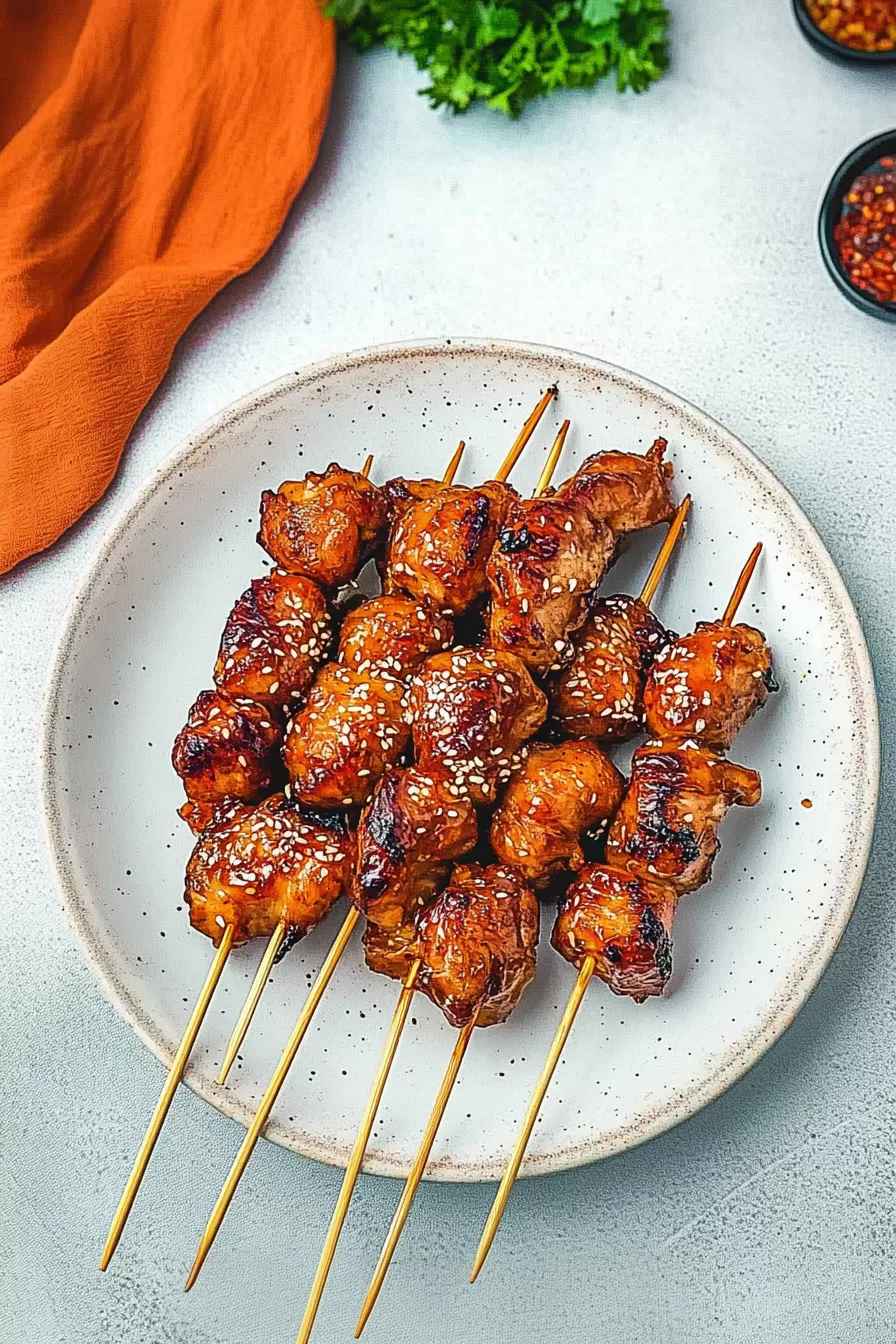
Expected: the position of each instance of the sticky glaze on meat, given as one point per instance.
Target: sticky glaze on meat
(666, 828)
(550, 556)
(323, 526)
(601, 694)
(228, 748)
(408, 834)
(261, 865)
(477, 942)
(707, 685)
(393, 633)
(560, 791)
(276, 637)
(627, 491)
(470, 711)
(439, 543)
(349, 730)
(622, 922)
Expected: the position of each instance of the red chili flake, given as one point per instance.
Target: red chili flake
(866, 234)
(864, 25)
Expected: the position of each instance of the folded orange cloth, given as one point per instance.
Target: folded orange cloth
(155, 151)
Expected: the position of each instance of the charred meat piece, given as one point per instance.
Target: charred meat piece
(477, 942)
(408, 834)
(323, 526)
(561, 791)
(228, 748)
(666, 829)
(391, 952)
(470, 711)
(550, 554)
(624, 924)
(349, 729)
(708, 684)
(439, 543)
(260, 865)
(276, 637)
(627, 491)
(601, 694)
(393, 633)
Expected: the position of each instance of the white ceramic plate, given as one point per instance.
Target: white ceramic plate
(140, 642)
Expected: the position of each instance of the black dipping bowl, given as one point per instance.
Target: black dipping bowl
(829, 216)
(837, 51)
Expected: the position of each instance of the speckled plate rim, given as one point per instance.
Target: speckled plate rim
(804, 976)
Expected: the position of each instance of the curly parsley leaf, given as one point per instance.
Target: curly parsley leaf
(506, 54)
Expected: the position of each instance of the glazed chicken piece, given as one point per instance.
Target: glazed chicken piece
(627, 491)
(470, 711)
(549, 556)
(439, 543)
(666, 829)
(477, 943)
(391, 952)
(394, 633)
(408, 834)
(601, 694)
(276, 637)
(323, 526)
(349, 730)
(624, 924)
(265, 864)
(199, 815)
(227, 749)
(561, 791)
(708, 684)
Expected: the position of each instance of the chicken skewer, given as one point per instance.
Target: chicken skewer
(432, 695)
(587, 969)
(332, 959)
(569, 815)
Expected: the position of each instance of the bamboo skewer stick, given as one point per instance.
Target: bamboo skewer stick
(586, 971)
(163, 1106)
(664, 554)
(525, 435)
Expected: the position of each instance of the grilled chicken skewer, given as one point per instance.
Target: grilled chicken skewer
(350, 647)
(470, 710)
(616, 919)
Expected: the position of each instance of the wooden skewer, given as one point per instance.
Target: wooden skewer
(415, 1175)
(525, 435)
(163, 1106)
(451, 469)
(658, 568)
(368, 463)
(586, 971)
(357, 1154)
(391, 1045)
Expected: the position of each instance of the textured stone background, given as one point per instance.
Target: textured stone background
(673, 234)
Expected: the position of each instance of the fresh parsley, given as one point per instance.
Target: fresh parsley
(506, 54)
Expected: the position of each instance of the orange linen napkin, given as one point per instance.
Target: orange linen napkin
(153, 149)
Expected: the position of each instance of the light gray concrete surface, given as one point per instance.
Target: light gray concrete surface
(673, 234)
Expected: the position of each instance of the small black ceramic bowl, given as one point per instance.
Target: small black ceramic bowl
(837, 51)
(861, 159)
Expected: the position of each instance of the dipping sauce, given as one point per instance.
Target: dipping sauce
(863, 25)
(865, 237)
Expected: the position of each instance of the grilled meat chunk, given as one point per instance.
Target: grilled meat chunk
(601, 694)
(622, 922)
(470, 711)
(390, 951)
(561, 791)
(276, 637)
(324, 526)
(408, 834)
(627, 491)
(228, 748)
(349, 729)
(393, 633)
(708, 684)
(666, 829)
(477, 942)
(550, 554)
(257, 866)
(440, 541)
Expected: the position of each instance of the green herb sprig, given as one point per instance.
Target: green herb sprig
(506, 54)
